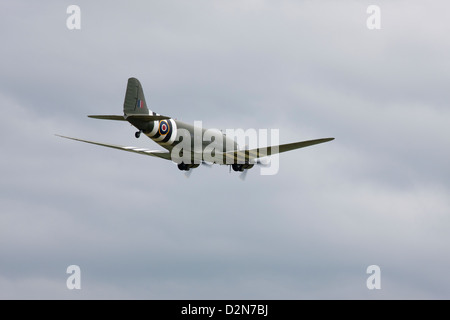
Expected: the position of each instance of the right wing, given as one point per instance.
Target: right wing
(252, 154)
(147, 152)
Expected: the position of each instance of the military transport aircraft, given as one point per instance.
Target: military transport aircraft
(179, 138)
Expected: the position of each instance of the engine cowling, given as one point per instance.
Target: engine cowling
(185, 167)
(241, 166)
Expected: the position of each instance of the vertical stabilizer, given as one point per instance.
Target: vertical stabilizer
(134, 99)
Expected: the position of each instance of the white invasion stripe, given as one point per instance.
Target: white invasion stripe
(174, 132)
(154, 130)
(229, 158)
(153, 151)
(159, 138)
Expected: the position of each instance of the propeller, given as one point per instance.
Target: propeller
(263, 162)
(188, 173)
(207, 164)
(243, 175)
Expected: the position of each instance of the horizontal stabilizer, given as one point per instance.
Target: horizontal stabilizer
(119, 118)
(143, 117)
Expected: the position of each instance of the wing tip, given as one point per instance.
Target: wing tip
(66, 137)
(322, 140)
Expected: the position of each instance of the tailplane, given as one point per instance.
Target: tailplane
(134, 106)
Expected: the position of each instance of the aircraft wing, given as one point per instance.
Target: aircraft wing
(144, 151)
(249, 155)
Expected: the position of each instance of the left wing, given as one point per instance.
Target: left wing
(144, 151)
(252, 154)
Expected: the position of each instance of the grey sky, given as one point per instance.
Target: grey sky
(378, 194)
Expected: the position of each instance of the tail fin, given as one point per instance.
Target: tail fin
(134, 99)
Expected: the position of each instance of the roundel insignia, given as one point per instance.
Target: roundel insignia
(163, 127)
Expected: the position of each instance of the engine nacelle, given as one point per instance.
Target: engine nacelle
(241, 166)
(185, 167)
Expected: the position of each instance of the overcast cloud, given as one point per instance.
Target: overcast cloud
(378, 194)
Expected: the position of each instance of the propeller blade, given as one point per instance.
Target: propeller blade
(187, 174)
(207, 164)
(243, 175)
(263, 162)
